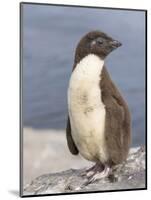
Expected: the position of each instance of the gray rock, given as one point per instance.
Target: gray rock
(128, 175)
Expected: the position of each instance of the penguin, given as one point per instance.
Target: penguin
(99, 121)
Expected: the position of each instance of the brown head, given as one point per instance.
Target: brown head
(95, 42)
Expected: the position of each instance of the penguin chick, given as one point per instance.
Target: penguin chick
(99, 124)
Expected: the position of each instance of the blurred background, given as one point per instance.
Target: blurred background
(50, 35)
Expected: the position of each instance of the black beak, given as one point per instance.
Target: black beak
(115, 43)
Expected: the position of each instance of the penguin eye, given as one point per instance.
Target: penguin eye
(99, 41)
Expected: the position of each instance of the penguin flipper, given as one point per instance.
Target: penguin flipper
(72, 147)
(118, 129)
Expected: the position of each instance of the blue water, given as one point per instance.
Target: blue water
(50, 35)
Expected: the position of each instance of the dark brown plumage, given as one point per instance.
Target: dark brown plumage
(97, 43)
(118, 123)
(117, 119)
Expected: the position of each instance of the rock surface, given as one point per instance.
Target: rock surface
(128, 175)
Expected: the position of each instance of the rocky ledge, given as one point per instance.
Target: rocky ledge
(128, 175)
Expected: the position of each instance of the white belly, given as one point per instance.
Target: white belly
(86, 110)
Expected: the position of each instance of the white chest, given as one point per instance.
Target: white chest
(86, 110)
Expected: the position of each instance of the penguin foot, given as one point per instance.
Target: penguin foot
(98, 167)
(100, 175)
